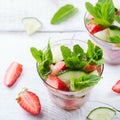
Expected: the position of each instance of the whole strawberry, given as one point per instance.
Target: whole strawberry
(29, 101)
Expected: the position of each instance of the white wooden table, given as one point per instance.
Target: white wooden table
(15, 46)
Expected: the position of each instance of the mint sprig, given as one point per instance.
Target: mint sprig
(85, 80)
(77, 58)
(44, 59)
(94, 54)
(103, 12)
(74, 59)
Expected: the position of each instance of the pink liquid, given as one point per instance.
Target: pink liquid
(112, 56)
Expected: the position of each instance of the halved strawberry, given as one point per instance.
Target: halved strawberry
(99, 69)
(57, 83)
(59, 66)
(116, 87)
(29, 101)
(93, 28)
(118, 13)
(12, 73)
(90, 68)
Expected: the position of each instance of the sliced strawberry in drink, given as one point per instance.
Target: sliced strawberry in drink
(96, 29)
(93, 28)
(99, 69)
(90, 68)
(12, 73)
(116, 87)
(57, 83)
(118, 13)
(29, 101)
(59, 66)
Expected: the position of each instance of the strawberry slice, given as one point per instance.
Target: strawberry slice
(90, 68)
(93, 28)
(116, 87)
(29, 101)
(57, 83)
(96, 29)
(118, 13)
(59, 66)
(99, 69)
(12, 73)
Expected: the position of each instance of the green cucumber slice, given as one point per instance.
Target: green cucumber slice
(101, 113)
(107, 33)
(95, 72)
(103, 35)
(65, 76)
(31, 25)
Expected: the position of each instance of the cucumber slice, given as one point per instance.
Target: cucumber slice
(116, 23)
(102, 34)
(95, 72)
(31, 25)
(65, 76)
(105, 34)
(101, 113)
(114, 33)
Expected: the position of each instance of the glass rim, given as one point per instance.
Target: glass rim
(66, 92)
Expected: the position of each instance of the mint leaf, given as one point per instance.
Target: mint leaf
(90, 50)
(74, 59)
(78, 51)
(115, 39)
(91, 9)
(85, 80)
(63, 14)
(48, 54)
(37, 54)
(117, 18)
(113, 27)
(101, 22)
(94, 54)
(44, 59)
(66, 52)
(103, 12)
(43, 68)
